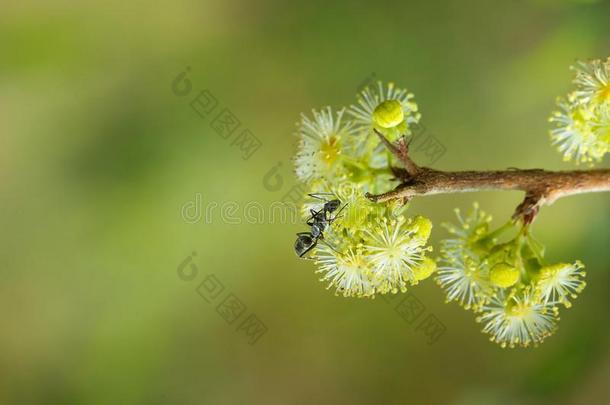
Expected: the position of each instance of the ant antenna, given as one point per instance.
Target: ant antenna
(318, 196)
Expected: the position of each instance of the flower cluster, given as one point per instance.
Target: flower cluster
(342, 147)
(366, 248)
(372, 249)
(582, 123)
(388, 109)
(514, 293)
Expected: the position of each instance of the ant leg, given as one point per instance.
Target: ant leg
(318, 196)
(313, 213)
(338, 212)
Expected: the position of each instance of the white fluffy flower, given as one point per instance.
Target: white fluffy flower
(518, 319)
(464, 281)
(574, 135)
(582, 124)
(393, 252)
(592, 81)
(347, 272)
(321, 144)
(462, 274)
(561, 281)
(600, 125)
(372, 96)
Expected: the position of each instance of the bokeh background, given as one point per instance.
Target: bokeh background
(98, 156)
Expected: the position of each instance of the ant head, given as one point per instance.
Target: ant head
(332, 205)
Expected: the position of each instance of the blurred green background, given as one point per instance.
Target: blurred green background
(98, 156)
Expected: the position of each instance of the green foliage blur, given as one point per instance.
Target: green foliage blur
(99, 156)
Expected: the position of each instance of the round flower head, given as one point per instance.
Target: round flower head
(582, 125)
(592, 81)
(600, 125)
(321, 145)
(517, 319)
(558, 282)
(347, 272)
(385, 108)
(394, 252)
(462, 273)
(574, 135)
(464, 280)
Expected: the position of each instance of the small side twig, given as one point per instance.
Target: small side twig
(401, 151)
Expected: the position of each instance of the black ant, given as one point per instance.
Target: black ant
(319, 221)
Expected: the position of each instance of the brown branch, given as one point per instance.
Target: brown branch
(541, 186)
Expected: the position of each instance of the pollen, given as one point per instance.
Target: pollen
(604, 93)
(330, 150)
(518, 309)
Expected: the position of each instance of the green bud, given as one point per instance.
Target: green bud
(425, 269)
(389, 114)
(422, 227)
(504, 275)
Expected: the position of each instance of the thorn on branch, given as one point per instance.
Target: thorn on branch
(389, 145)
(401, 151)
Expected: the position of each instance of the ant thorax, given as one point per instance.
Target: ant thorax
(318, 220)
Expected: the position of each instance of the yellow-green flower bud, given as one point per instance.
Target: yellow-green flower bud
(389, 114)
(422, 227)
(504, 275)
(425, 269)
